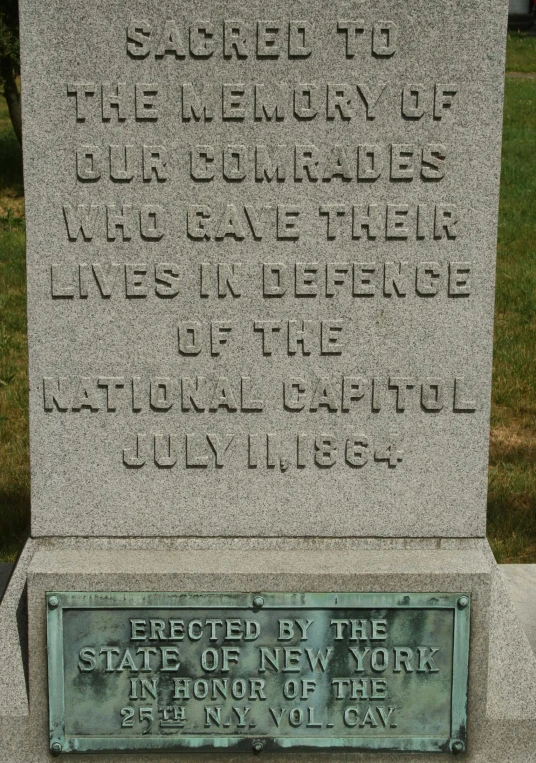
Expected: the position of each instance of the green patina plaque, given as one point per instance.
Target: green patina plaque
(152, 671)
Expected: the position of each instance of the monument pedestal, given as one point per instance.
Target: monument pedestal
(502, 668)
(260, 303)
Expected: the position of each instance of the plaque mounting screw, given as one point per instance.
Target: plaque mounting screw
(458, 746)
(463, 602)
(258, 602)
(56, 748)
(258, 746)
(53, 603)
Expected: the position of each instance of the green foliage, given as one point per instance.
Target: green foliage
(10, 62)
(11, 184)
(9, 221)
(9, 34)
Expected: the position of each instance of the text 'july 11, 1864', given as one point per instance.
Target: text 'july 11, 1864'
(268, 270)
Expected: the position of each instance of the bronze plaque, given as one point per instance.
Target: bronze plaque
(266, 671)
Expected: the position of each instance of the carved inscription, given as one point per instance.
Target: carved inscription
(281, 221)
(271, 279)
(255, 101)
(231, 394)
(235, 262)
(363, 163)
(241, 39)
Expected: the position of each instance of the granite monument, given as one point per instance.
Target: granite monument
(261, 248)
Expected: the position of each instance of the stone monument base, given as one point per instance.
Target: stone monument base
(502, 669)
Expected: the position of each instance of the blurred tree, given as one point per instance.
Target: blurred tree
(10, 61)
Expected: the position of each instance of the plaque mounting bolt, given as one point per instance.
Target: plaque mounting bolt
(53, 603)
(56, 748)
(458, 746)
(258, 602)
(463, 602)
(258, 746)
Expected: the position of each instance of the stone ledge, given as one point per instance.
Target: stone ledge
(293, 561)
(520, 580)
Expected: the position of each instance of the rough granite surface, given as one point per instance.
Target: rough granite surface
(520, 581)
(254, 322)
(14, 639)
(512, 665)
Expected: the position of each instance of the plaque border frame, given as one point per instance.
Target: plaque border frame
(59, 742)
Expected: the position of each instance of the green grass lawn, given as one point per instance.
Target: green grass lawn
(520, 53)
(512, 475)
(512, 481)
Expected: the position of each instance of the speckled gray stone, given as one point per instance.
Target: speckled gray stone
(271, 474)
(14, 640)
(512, 667)
(416, 96)
(520, 581)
